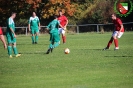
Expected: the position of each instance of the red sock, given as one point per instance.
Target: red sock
(110, 42)
(64, 39)
(116, 42)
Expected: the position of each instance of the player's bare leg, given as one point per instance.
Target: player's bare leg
(63, 37)
(109, 43)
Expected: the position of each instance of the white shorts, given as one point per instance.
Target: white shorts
(61, 31)
(115, 33)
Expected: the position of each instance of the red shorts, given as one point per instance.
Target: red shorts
(1, 33)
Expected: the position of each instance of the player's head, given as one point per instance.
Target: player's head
(113, 16)
(33, 14)
(13, 15)
(60, 12)
(55, 16)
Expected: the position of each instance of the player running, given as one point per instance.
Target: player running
(11, 36)
(54, 35)
(34, 27)
(2, 38)
(117, 33)
(63, 21)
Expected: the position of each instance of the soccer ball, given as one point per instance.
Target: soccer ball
(67, 51)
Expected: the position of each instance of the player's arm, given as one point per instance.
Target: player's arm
(3, 40)
(29, 24)
(29, 27)
(10, 28)
(48, 28)
(13, 32)
(121, 26)
(61, 26)
(66, 23)
(120, 29)
(39, 23)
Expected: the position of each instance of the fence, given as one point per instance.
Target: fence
(24, 30)
(99, 27)
(79, 28)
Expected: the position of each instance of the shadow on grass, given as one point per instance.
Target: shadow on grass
(118, 56)
(97, 49)
(24, 53)
(31, 44)
(1, 57)
(33, 53)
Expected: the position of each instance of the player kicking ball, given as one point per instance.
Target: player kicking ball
(54, 35)
(117, 33)
(11, 36)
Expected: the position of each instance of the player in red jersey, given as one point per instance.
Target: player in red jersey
(2, 38)
(118, 32)
(63, 21)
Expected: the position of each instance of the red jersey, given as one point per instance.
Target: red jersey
(118, 24)
(1, 33)
(63, 20)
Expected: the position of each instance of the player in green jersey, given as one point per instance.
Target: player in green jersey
(11, 36)
(34, 26)
(54, 35)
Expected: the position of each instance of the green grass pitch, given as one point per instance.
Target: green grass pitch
(87, 66)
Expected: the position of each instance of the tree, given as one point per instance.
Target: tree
(77, 11)
(53, 6)
(9, 6)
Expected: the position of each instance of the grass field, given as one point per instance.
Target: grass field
(87, 66)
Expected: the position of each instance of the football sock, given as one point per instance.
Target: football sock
(9, 48)
(110, 42)
(15, 50)
(116, 42)
(59, 36)
(36, 38)
(32, 37)
(64, 39)
(56, 44)
(50, 45)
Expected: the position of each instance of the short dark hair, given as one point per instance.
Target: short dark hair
(13, 13)
(55, 16)
(60, 11)
(114, 14)
(34, 12)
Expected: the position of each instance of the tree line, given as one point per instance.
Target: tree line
(77, 11)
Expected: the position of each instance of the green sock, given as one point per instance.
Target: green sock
(50, 45)
(15, 50)
(36, 38)
(32, 37)
(56, 44)
(9, 48)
